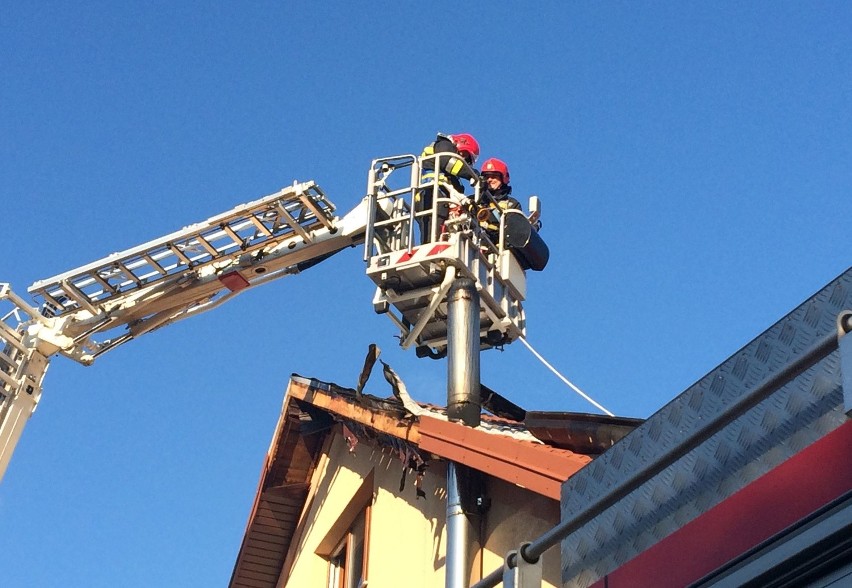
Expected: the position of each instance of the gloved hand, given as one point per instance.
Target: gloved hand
(483, 214)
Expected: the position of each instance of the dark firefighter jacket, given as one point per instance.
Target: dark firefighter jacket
(498, 202)
(452, 168)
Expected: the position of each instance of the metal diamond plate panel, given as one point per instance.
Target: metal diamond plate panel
(789, 420)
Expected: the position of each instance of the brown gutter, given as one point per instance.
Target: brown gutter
(539, 468)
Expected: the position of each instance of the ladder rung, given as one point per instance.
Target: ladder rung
(293, 223)
(78, 296)
(207, 246)
(128, 274)
(317, 213)
(10, 336)
(5, 361)
(106, 285)
(11, 383)
(51, 301)
(260, 226)
(179, 254)
(238, 241)
(154, 264)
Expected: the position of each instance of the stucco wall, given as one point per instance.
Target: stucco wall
(407, 539)
(405, 532)
(518, 515)
(407, 542)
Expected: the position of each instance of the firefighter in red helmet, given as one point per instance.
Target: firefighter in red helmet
(461, 151)
(452, 168)
(467, 146)
(498, 197)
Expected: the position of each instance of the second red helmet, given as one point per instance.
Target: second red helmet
(466, 144)
(495, 165)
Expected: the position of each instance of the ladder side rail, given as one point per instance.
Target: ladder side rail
(22, 369)
(158, 269)
(194, 250)
(184, 236)
(9, 383)
(160, 241)
(15, 411)
(171, 260)
(275, 266)
(187, 295)
(200, 240)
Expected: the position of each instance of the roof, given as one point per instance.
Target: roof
(539, 456)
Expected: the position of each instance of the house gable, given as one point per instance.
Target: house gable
(329, 441)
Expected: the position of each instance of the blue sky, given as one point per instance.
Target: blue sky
(693, 160)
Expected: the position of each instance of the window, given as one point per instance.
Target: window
(346, 545)
(347, 567)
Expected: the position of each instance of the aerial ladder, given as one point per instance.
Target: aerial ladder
(413, 252)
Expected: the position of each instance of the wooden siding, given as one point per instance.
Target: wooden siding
(275, 515)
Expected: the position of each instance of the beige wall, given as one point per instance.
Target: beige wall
(407, 541)
(518, 515)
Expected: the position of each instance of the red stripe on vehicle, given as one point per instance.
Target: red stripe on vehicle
(406, 256)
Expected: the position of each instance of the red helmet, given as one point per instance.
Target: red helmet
(466, 144)
(496, 166)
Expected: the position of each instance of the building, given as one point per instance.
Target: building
(355, 486)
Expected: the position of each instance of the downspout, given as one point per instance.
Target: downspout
(458, 531)
(463, 405)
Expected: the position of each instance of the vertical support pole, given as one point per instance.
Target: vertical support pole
(372, 203)
(415, 184)
(463, 402)
(463, 405)
(844, 344)
(458, 531)
(520, 573)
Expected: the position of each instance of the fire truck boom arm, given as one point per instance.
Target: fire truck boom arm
(87, 311)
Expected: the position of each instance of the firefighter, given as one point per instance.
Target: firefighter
(452, 169)
(498, 197)
(461, 149)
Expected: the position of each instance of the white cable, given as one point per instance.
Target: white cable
(563, 378)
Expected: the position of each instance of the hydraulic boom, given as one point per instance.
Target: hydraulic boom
(419, 236)
(85, 312)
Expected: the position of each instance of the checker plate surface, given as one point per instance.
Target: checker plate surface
(790, 419)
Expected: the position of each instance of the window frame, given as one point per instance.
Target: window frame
(338, 544)
(343, 557)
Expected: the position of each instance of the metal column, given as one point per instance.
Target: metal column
(463, 402)
(463, 405)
